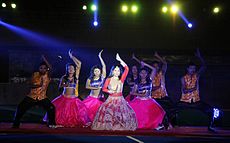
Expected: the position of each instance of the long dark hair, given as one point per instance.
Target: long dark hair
(91, 76)
(67, 73)
(147, 77)
(131, 73)
(113, 67)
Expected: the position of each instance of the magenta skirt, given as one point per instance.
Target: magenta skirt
(93, 104)
(70, 112)
(148, 112)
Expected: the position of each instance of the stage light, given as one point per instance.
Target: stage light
(174, 9)
(164, 9)
(189, 25)
(124, 8)
(216, 9)
(84, 7)
(134, 8)
(13, 5)
(216, 113)
(95, 23)
(3, 4)
(93, 7)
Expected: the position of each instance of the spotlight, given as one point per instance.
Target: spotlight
(134, 8)
(95, 23)
(13, 5)
(124, 8)
(3, 4)
(93, 7)
(164, 9)
(174, 9)
(216, 113)
(190, 25)
(84, 7)
(216, 9)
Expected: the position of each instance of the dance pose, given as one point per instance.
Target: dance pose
(70, 111)
(115, 113)
(131, 80)
(149, 113)
(190, 97)
(159, 92)
(37, 96)
(95, 83)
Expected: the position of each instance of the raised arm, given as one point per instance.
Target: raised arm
(77, 62)
(153, 72)
(163, 61)
(103, 65)
(203, 65)
(47, 63)
(136, 59)
(126, 71)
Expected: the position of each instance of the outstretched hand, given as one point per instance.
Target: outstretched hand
(70, 53)
(100, 53)
(118, 57)
(142, 64)
(133, 56)
(156, 54)
(43, 57)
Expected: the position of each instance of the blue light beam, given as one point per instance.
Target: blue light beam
(37, 38)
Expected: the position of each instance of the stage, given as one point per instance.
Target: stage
(34, 132)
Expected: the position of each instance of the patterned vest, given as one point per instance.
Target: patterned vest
(190, 82)
(159, 81)
(40, 92)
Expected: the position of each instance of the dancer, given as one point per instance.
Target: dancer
(115, 113)
(190, 97)
(159, 92)
(149, 113)
(131, 80)
(37, 96)
(70, 111)
(95, 83)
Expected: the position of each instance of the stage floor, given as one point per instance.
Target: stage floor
(33, 132)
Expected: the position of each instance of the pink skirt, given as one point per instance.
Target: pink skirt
(93, 104)
(149, 113)
(70, 112)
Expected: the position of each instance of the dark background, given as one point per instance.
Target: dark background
(148, 31)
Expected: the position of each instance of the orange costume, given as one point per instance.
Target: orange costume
(191, 81)
(159, 81)
(40, 92)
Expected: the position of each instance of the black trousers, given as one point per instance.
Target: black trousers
(28, 102)
(170, 109)
(202, 106)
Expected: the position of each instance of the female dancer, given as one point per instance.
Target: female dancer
(95, 83)
(132, 79)
(70, 111)
(115, 113)
(149, 113)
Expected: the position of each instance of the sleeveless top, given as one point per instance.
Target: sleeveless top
(159, 81)
(190, 82)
